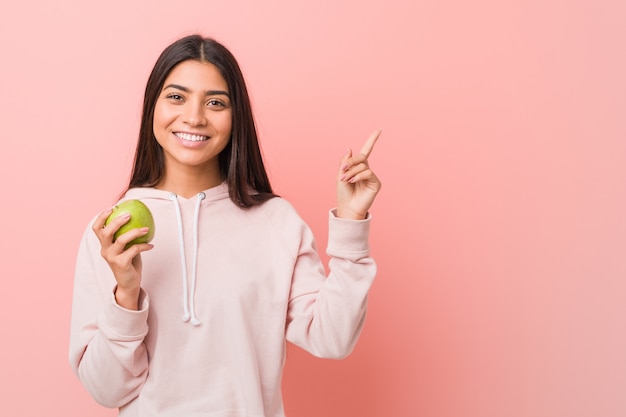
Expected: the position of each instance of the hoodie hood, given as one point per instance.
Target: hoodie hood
(219, 192)
(188, 277)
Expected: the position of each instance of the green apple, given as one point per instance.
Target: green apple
(140, 216)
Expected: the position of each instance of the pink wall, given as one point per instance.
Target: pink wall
(500, 230)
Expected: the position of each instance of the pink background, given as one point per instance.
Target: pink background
(500, 231)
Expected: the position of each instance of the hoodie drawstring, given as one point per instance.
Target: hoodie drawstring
(188, 299)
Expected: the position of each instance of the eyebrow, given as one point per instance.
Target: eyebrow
(207, 93)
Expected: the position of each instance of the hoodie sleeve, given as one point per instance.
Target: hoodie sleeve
(326, 314)
(107, 350)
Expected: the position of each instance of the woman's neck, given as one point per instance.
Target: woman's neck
(189, 181)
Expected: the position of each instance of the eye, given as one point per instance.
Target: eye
(216, 104)
(175, 97)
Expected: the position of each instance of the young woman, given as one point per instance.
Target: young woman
(195, 323)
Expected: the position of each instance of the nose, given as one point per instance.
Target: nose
(194, 114)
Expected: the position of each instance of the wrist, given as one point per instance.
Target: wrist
(349, 214)
(127, 298)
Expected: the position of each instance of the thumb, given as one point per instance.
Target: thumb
(344, 161)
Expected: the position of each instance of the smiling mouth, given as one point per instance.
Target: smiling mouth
(191, 137)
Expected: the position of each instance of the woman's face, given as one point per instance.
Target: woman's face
(193, 116)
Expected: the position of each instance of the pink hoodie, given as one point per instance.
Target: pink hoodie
(222, 291)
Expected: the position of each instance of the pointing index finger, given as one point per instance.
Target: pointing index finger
(369, 143)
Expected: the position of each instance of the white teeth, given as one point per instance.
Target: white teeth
(190, 137)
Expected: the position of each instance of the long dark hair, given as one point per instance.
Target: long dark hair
(240, 163)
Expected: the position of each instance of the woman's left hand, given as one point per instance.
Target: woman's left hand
(357, 185)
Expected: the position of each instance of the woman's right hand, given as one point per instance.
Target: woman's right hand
(125, 263)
